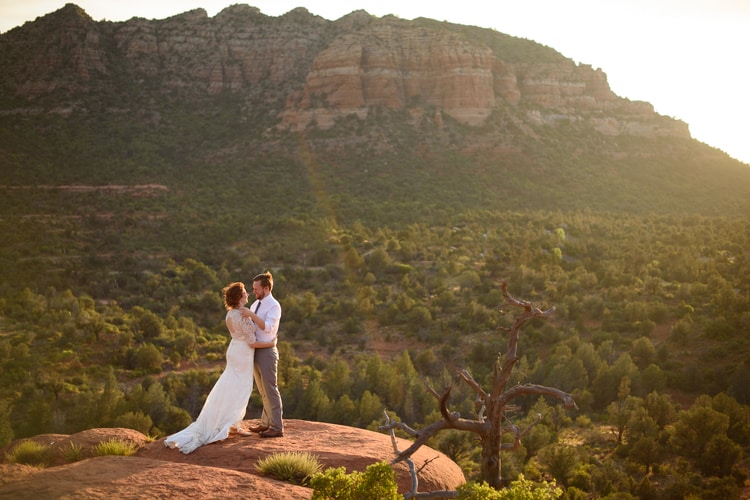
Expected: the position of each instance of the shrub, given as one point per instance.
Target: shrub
(377, 481)
(521, 489)
(30, 453)
(135, 420)
(149, 358)
(114, 447)
(294, 467)
(71, 453)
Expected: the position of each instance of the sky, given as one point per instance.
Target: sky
(686, 57)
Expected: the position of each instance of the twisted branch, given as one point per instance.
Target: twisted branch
(488, 427)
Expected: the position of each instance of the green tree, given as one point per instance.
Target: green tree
(561, 461)
(315, 403)
(6, 431)
(378, 261)
(370, 408)
(336, 378)
(108, 403)
(353, 261)
(695, 427)
(661, 408)
(644, 352)
(344, 411)
(621, 411)
(719, 456)
(739, 423)
(641, 424)
(652, 379)
(149, 358)
(134, 420)
(645, 451)
(147, 324)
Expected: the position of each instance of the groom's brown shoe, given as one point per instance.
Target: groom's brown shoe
(258, 428)
(272, 433)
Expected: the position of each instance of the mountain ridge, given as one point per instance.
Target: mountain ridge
(357, 62)
(394, 98)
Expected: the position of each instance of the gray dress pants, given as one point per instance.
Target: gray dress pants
(266, 367)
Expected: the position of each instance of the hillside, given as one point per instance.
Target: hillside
(363, 119)
(391, 174)
(359, 108)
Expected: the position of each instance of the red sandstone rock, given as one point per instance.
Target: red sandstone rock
(310, 70)
(217, 470)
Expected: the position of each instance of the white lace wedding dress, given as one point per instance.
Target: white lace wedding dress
(226, 403)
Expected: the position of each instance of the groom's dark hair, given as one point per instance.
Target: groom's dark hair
(266, 280)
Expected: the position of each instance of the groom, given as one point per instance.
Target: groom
(266, 315)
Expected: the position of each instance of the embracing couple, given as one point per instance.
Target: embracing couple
(252, 353)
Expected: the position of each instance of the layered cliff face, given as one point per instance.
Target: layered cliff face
(393, 65)
(310, 71)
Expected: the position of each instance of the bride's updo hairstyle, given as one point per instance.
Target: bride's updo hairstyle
(233, 294)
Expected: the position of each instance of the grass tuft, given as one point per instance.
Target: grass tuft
(30, 453)
(293, 467)
(71, 453)
(114, 447)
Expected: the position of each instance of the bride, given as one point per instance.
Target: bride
(225, 406)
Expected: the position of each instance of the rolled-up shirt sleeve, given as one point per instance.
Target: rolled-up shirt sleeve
(271, 318)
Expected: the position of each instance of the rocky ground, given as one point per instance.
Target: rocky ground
(219, 470)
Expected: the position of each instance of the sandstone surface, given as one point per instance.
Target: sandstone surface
(218, 470)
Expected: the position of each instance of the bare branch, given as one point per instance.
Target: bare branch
(409, 461)
(519, 434)
(421, 438)
(433, 494)
(400, 425)
(447, 415)
(427, 462)
(520, 390)
(480, 414)
(430, 389)
(492, 408)
(529, 308)
(532, 424)
(502, 374)
(516, 438)
(466, 376)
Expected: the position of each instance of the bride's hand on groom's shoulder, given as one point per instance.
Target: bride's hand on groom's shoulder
(246, 313)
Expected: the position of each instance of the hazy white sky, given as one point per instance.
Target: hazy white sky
(686, 57)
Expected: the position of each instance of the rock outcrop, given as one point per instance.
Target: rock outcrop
(306, 70)
(218, 470)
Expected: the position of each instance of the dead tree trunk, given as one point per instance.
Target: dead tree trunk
(491, 422)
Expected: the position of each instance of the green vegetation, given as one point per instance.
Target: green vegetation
(72, 452)
(30, 453)
(387, 237)
(377, 481)
(520, 489)
(647, 336)
(114, 447)
(294, 467)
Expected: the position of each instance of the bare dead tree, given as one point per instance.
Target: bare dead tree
(490, 422)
